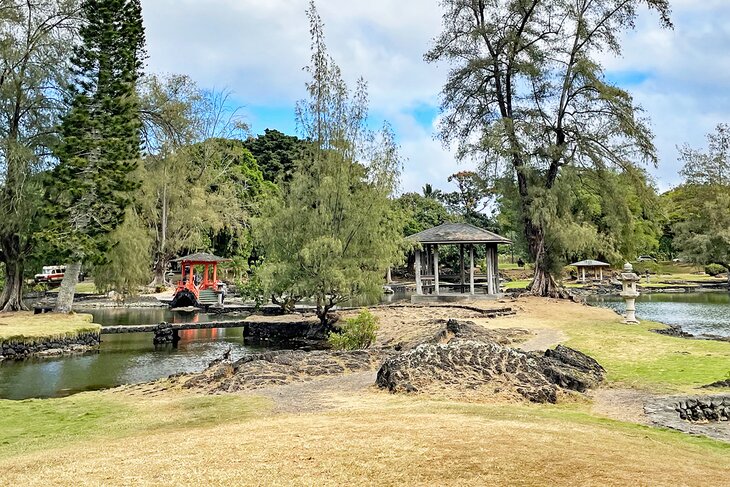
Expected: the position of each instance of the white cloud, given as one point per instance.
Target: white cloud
(257, 48)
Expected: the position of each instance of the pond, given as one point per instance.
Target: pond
(706, 313)
(131, 358)
(123, 359)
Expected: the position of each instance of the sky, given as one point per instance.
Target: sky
(257, 49)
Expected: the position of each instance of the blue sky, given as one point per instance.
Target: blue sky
(257, 48)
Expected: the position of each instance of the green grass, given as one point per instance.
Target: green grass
(27, 328)
(39, 424)
(85, 287)
(632, 355)
(518, 284)
(637, 357)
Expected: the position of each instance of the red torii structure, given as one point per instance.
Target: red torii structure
(188, 293)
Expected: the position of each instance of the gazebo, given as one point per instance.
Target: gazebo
(595, 265)
(466, 236)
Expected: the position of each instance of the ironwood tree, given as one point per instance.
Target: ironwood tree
(334, 232)
(100, 137)
(527, 97)
(35, 41)
(702, 233)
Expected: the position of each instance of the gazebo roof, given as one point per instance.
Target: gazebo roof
(458, 233)
(201, 258)
(591, 263)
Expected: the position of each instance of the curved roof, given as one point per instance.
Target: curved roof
(202, 258)
(458, 233)
(591, 263)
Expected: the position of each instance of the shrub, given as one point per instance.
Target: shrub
(357, 333)
(714, 269)
(642, 267)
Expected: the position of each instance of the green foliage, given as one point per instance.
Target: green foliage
(126, 266)
(252, 287)
(701, 207)
(35, 42)
(356, 334)
(420, 213)
(334, 231)
(276, 154)
(201, 186)
(714, 270)
(100, 135)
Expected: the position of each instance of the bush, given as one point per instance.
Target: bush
(642, 267)
(714, 269)
(357, 333)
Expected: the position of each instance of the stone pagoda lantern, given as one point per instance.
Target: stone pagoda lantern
(628, 280)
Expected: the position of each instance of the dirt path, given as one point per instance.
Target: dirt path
(621, 404)
(544, 338)
(316, 395)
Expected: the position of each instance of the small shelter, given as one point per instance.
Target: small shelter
(592, 265)
(466, 236)
(205, 291)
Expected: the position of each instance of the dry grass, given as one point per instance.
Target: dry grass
(389, 441)
(27, 327)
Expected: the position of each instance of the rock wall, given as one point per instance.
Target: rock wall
(467, 360)
(711, 408)
(49, 347)
(282, 332)
(697, 415)
(258, 370)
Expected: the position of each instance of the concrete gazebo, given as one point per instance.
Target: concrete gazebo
(466, 236)
(594, 265)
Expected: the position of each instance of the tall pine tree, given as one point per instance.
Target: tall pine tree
(100, 136)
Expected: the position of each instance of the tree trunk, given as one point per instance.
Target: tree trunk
(543, 284)
(11, 298)
(160, 268)
(65, 300)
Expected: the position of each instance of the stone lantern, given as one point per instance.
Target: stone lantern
(629, 293)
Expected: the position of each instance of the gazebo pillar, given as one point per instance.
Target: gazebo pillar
(436, 269)
(490, 271)
(600, 270)
(461, 266)
(471, 269)
(584, 274)
(417, 266)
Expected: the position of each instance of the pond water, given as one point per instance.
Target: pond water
(124, 359)
(129, 358)
(705, 313)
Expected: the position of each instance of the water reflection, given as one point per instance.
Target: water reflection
(148, 316)
(696, 313)
(123, 359)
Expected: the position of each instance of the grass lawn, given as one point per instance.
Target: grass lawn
(371, 439)
(86, 287)
(632, 355)
(42, 424)
(27, 327)
(518, 284)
